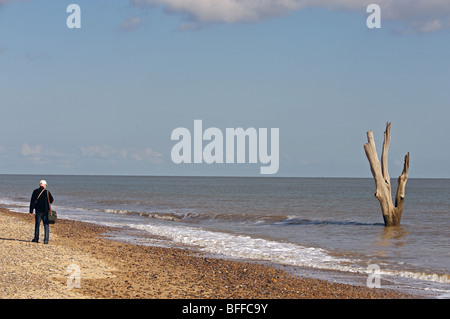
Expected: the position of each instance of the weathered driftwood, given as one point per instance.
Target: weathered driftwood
(392, 213)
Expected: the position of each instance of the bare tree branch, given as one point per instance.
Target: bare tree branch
(384, 154)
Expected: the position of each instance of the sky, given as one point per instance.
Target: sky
(106, 97)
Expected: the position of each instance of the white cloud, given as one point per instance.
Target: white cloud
(98, 151)
(38, 154)
(41, 155)
(28, 150)
(226, 11)
(414, 15)
(111, 153)
(130, 24)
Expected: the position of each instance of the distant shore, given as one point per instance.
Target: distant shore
(109, 269)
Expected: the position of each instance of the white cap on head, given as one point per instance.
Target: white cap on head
(43, 182)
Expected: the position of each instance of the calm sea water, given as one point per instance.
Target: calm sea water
(328, 228)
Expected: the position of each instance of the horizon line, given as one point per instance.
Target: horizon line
(221, 176)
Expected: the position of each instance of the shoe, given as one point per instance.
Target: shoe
(46, 242)
(35, 240)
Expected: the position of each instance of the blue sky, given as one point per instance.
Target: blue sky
(105, 98)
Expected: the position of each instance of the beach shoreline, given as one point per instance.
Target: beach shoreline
(110, 269)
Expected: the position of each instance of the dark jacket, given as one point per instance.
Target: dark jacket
(41, 204)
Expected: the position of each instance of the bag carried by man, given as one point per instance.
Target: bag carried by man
(52, 216)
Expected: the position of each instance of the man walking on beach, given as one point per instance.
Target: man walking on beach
(40, 203)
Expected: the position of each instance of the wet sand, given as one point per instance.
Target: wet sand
(114, 270)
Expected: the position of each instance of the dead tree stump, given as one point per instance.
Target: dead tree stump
(392, 212)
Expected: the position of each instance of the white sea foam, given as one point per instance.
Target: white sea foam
(440, 278)
(241, 246)
(17, 205)
(117, 211)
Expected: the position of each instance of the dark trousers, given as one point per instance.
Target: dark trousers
(40, 216)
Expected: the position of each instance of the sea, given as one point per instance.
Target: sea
(324, 228)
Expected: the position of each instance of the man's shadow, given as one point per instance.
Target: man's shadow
(13, 239)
